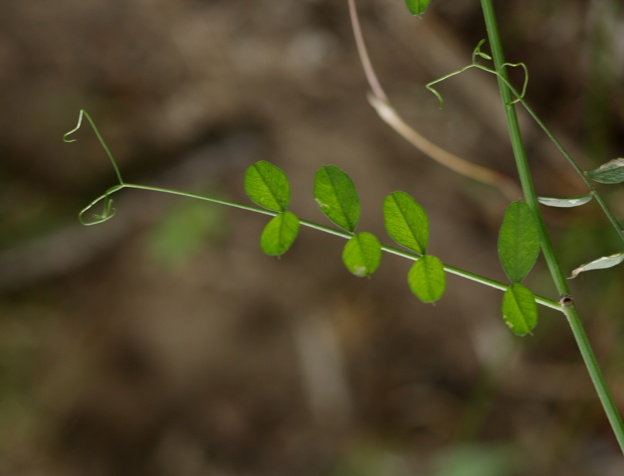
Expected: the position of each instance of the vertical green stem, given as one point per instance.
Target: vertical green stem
(517, 145)
(531, 199)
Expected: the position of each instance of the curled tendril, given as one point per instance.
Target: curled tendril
(67, 134)
(82, 114)
(520, 96)
(477, 53)
(108, 211)
(430, 87)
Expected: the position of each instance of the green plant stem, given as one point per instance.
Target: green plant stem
(109, 213)
(517, 145)
(605, 208)
(477, 278)
(520, 99)
(531, 198)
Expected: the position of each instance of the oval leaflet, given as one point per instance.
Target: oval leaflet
(362, 254)
(406, 221)
(518, 241)
(268, 186)
(519, 309)
(279, 234)
(336, 196)
(426, 278)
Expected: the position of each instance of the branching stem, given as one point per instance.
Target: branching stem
(380, 101)
(531, 198)
(519, 98)
(108, 212)
(332, 231)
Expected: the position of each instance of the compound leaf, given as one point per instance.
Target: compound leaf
(362, 254)
(406, 221)
(565, 202)
(426, 278)
(519, 309)
(611, 172)
(518, 241)
(417, 7)
(279, 234)
(600, 263)
(268, 186)
(336, 196)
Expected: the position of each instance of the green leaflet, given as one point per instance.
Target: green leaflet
(518, 241)
(417, 7)
(336, 196)
(279, 234)
(267, 185)
(600, 263)
(566, 202)
(362, 254)
(611, 172)
(519, 309)
(426, 278)
(406, 221)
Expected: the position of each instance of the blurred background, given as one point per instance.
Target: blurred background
(163, 342)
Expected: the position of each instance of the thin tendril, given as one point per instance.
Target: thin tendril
(107, 212)
(437, 94)
(100, 139)
(478, 53)
(526, 80)
(520, 99)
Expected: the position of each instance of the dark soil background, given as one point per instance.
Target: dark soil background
(163, 342)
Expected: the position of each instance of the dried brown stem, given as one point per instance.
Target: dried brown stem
(380, 102)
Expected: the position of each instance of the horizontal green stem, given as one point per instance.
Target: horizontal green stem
(332, 231)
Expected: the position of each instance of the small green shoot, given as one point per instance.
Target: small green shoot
(108, 211)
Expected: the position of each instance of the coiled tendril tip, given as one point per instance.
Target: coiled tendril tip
(108, 211)
(67, 134)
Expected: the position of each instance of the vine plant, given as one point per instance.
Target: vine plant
(522, 236)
